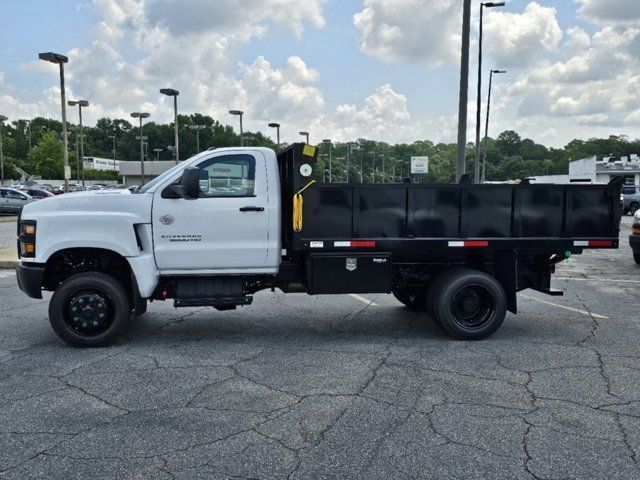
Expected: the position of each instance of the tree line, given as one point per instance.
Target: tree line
(37, 149)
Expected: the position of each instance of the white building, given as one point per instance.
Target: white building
(97, 163)
(131, 171)
(592, 170)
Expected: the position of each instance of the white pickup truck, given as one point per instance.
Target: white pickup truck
(229, 222)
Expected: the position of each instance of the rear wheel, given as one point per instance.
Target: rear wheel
(413, 297)
(89, 309)
(468, 304)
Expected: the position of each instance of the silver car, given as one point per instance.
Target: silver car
(12, 200)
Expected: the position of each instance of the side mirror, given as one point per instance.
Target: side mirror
(188, 186)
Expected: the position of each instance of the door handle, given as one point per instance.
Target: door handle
(252, 209)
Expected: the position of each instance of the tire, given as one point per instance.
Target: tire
(633, 208)
(636, 257)
(468, 304)
(90, 309)
(415, 298)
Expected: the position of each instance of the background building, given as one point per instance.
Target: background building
(97, 163)
(592, 170)
(130, 171)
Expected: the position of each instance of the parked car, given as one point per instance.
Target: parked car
(37, 193)
(12, 200)
(634, 238)
(630, 197)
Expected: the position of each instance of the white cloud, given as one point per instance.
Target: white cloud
(515, 40)
(426, 32)
(610, 11)
(595, 90)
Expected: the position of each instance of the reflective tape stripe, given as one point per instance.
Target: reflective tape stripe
(593, 243)
(355, 243)
(470, 244)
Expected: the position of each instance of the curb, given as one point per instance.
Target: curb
(8, 219)
(8, 264)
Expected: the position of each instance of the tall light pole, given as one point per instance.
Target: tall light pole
(197, 128)
(170, 92)
(348, 154)
(3, 119)
(486, 126)
(61, 60)
(384, 171)
(305, 134)
(80, 104)
(361, 165)
(78, 167)
(141, 115)
(277, 127)
(464, 91)
(239, 113)
(327, 142)
(28, 122)
(476, 176)
(157, 150)
(113, 139)
(373, 166)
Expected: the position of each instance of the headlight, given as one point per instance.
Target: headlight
(27, 239)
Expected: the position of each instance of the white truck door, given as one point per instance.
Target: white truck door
(226, 228)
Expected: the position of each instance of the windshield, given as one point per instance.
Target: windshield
(159, 179)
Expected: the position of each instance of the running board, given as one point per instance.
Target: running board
(220, 303)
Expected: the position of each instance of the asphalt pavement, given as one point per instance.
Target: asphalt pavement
(333, 387)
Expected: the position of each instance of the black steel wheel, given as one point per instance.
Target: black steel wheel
(89, 309)
(414, 298)
(469, 304)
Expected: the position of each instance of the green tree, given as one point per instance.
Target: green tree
(46, 158)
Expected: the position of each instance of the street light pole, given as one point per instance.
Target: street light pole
(361, 165)
(3, 119)
(277, 127)
(197, 128)
(326, 141)
(141, 115)
(113, 138)
(384, 171)
(61, 60)
(80, 104)
(476, 176)
(464, 91)
(170, 92)
(239, 113)
(305, 134)
(157, 150)
(486, 126)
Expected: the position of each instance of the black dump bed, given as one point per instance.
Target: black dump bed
(407, 216)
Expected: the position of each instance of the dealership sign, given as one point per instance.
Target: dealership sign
(419, 165)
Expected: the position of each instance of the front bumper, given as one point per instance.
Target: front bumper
(30, 278)
(634, 241)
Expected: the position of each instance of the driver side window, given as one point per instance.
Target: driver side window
(228, 176)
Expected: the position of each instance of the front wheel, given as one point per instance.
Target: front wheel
(413, 297)
(89, 310)
(469, 304)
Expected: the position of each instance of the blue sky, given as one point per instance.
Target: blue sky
(381, 68)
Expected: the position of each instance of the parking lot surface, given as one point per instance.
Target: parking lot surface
(333, 387)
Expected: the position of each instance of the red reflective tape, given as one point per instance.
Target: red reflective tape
(600, 243)
(476, 243)
(363, 243)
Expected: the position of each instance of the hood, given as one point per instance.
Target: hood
(107, 202)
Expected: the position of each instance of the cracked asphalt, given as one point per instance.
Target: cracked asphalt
(330, 387)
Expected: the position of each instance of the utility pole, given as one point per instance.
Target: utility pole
(464, 90)
(113, 138)
(2, 120)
